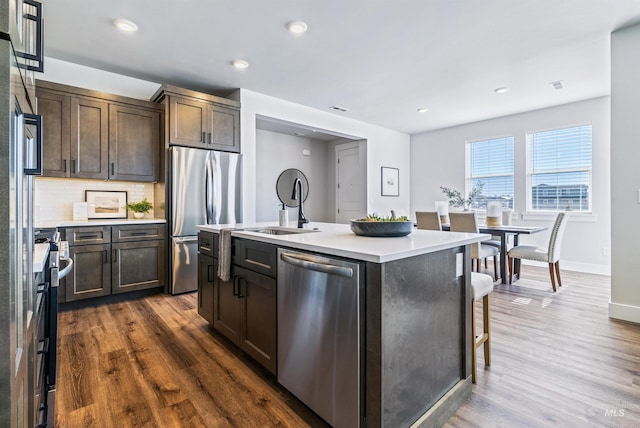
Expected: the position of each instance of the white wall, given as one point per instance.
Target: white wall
(276, 152)
(54, 197)
(625, 174)
(80, 76)
(385, 147)
(438, 159)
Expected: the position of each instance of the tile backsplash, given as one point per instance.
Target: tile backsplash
(54, 197)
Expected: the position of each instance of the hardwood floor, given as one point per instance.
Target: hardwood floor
(557, 361)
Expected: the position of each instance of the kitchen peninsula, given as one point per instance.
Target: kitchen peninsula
(412, 342)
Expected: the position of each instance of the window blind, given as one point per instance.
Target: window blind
(559, 173)
(491, 163)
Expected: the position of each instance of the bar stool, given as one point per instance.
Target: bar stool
(481, 287)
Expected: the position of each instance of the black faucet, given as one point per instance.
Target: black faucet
(299, 196)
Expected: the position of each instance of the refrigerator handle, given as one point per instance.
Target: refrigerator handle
(207, 191)
(35, 120)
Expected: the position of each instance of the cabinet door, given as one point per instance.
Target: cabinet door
(134, 143)
(257, 295)
(207, 267)
(54, 109)
(91, 273)
(89, 142)
(187, 126)
(226, 307)
(224, 129)
(137, 266)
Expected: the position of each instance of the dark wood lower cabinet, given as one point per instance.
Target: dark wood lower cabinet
(257, 296)
(137, 265)
(207, 272)
(226, 308)
(91, 273)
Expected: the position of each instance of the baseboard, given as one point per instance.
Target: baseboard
(624, 312)
(575, 267)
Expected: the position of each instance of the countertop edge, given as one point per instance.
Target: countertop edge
(105, 222)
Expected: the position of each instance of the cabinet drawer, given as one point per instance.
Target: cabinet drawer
(87, 235)
(256, 256)
(137, 232)
(208, 244)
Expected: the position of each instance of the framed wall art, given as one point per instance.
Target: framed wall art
(390, 185)
(106, 204)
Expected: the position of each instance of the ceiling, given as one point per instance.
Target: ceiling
(380, 59)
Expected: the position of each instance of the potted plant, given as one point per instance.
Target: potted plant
(456, 199)
(139, 208)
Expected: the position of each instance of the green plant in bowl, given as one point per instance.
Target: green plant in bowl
(140, 208)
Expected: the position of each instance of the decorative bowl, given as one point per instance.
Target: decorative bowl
(381, 228)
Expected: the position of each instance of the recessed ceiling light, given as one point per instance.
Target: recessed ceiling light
(241, 64)
(501, 90)
(297, 27)
(338, 108)
(423, 110)
(126, 25)
(558, 84)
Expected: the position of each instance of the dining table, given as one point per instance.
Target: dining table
(504, 231)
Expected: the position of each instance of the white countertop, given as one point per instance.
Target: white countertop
(103, 222)
(339, 240)
(40, 254)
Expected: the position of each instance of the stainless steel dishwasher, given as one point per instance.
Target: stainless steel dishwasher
(319, 334)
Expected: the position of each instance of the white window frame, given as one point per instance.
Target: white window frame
(468, 180)
(529, 190)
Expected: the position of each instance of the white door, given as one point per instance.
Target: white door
(350, 193)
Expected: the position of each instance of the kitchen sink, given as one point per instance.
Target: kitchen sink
(280, 230)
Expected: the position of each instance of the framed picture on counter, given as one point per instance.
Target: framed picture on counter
(390, 185)
(106, 204)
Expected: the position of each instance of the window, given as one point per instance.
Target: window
(559, 169)
(490, 162)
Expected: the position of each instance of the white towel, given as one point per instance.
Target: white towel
(224, 255)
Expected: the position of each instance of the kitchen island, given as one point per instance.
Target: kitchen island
(414, 308)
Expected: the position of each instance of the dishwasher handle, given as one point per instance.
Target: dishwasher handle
(312, 263)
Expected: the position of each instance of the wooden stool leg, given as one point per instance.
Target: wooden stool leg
(473, 343)
(558, 273)
(486, 312)
(553, 279)
(510, 270)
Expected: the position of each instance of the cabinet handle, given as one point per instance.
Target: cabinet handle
(64, 165)
(240, 295)
(204, 137)
(210, 138)
(235, 285)
(113, 168)
(210, 273)
(105, 256)
(87, 237)
(73, 166)
(114, 256)
(138, 233)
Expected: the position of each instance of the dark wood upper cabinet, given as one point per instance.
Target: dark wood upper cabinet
(91, 134)
(134, 148)
(200, 120)
(55, 109)
(89, 156)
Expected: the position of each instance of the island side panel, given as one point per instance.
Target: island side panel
(422, 350)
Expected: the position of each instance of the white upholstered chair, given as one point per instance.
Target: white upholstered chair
(429, 220)
(481, 288)
(466, 222)
(550, 255)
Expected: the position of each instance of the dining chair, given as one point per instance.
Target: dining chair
(429, 220)
(549, 255)
(466, 222)
(481, 288)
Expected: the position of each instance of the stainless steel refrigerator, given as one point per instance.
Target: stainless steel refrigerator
(20, 150)
(205, 188)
